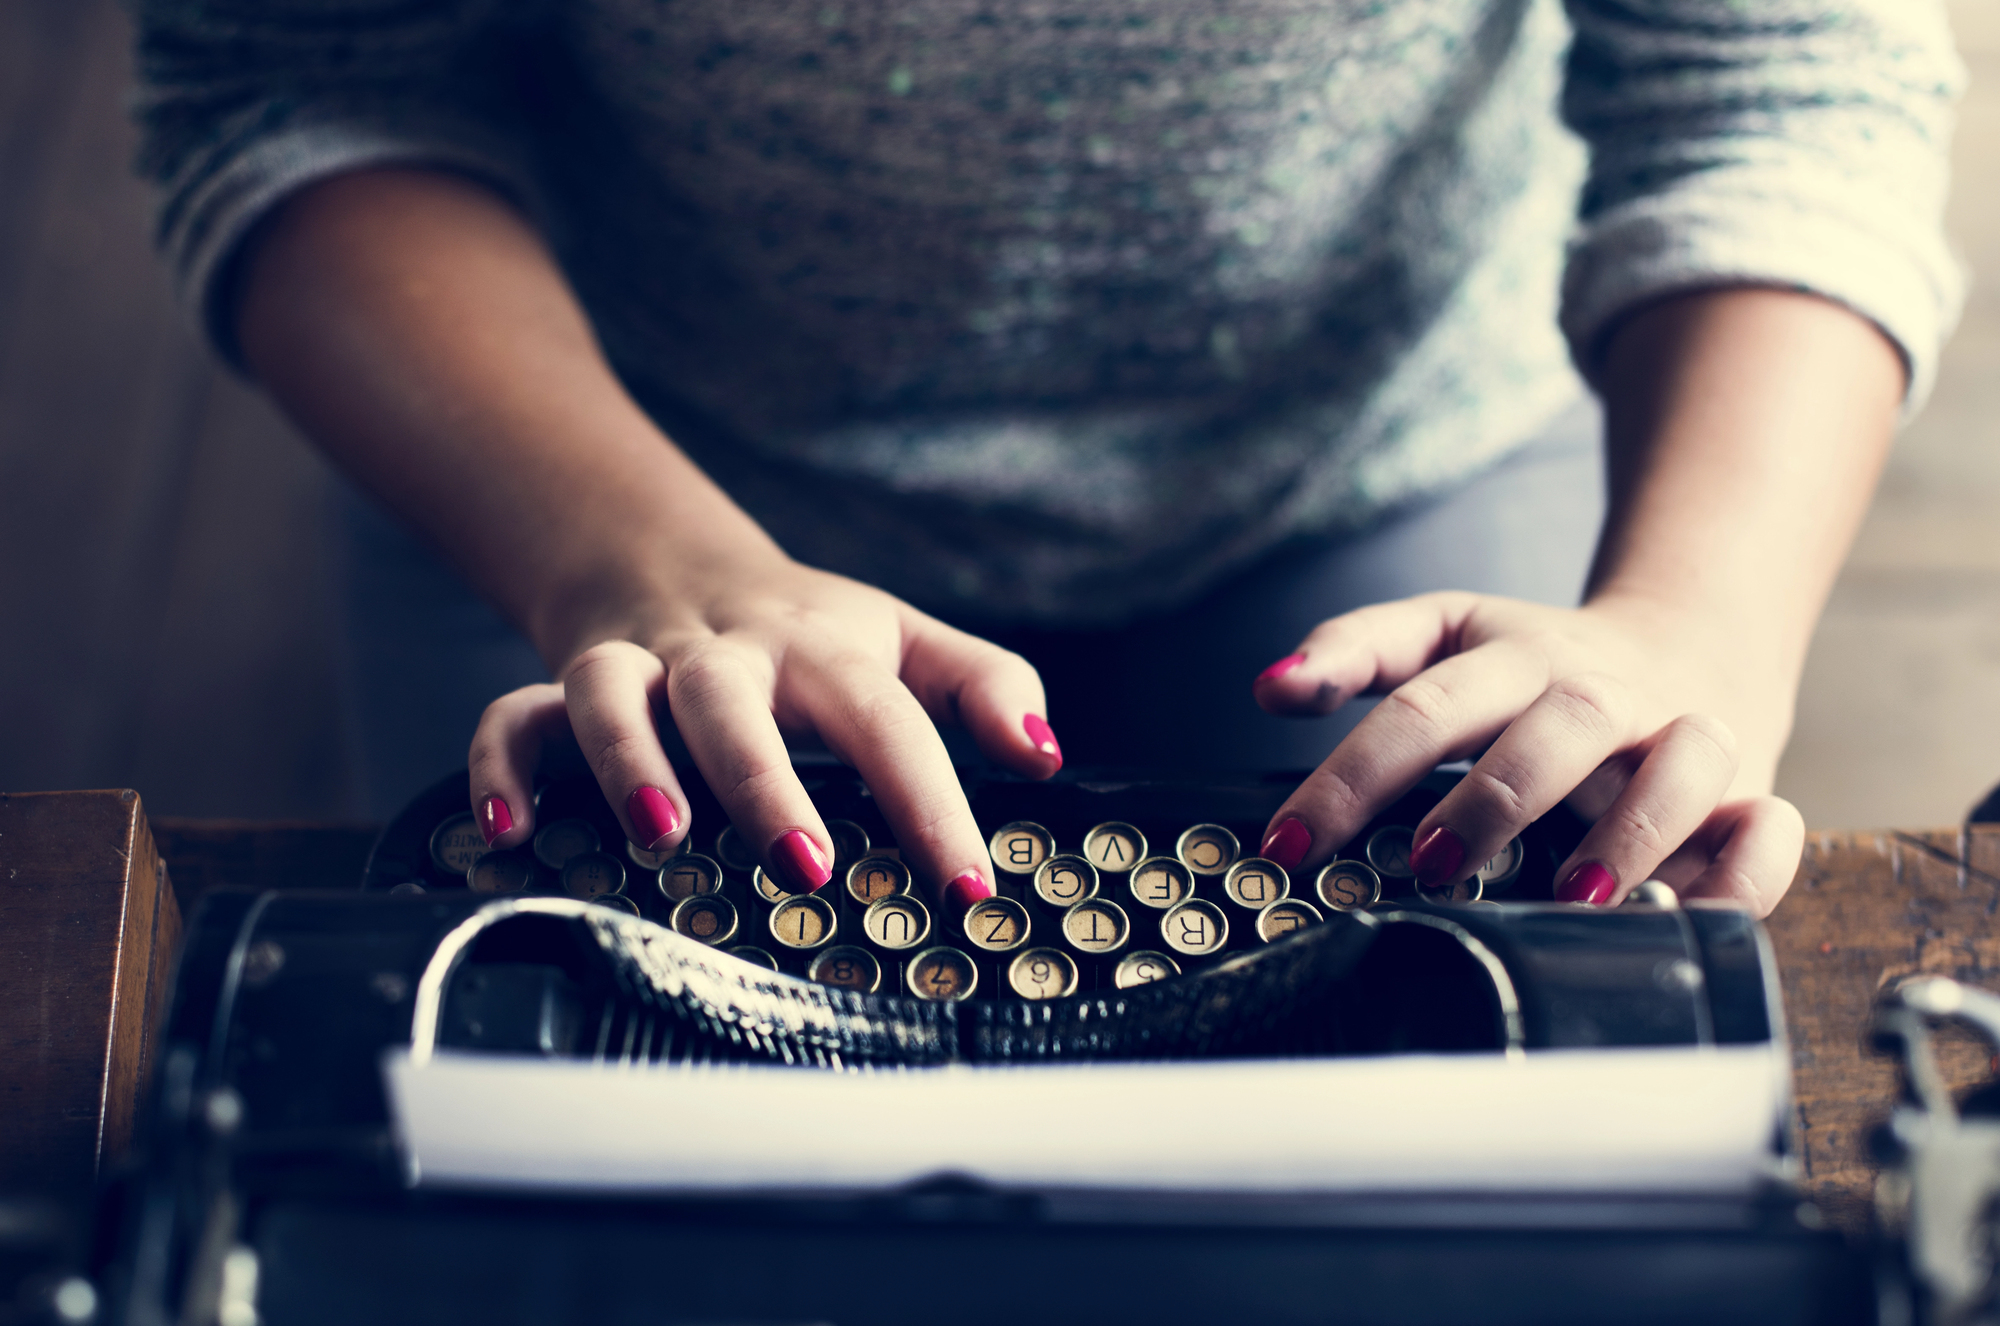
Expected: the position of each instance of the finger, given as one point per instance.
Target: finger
(1444, 713)
(506, 748)
(994, 693)
(721, 697)
(1747, 853)
(1363, 652)
(1571, 728)
(611, 690)
(1673, 791)
(872, 721)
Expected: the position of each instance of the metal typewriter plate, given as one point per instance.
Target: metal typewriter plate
(456, 844)
(687, 876)
(873, 878)
(1348, 886)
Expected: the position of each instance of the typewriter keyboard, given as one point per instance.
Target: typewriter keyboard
(1104, 882)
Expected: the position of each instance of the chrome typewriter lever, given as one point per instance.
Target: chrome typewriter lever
(1938, 1196)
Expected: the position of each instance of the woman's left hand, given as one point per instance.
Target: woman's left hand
(1627, 710)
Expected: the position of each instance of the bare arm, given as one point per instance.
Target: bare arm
(418, 330)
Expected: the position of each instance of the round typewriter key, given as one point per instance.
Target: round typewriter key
(1021, 847)
(1160, 882)
(1195, 929)
(733, 852)
(897, 923)
(996, 925)
(456, 844)
(1064, 881)
(1096, 926)
(689, 876)
(874, 878)
(1348, 886)
(706, 918)
(1114, 847)
(1465, 891)
(556, 843)
(650, 861)
(500, 872)
(770, 890)
(593, 875)
(941, 975)
(1389, 852)
(1285, 917)
(1254, 883)
(753, 955)
(617, 902)
(848, 967)
(1207, 849)
(1143, 968)
(850, 842)
(1501, 870)
(803, 922)
(1042, 973)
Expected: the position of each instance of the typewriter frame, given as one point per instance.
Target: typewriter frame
(266, 1190)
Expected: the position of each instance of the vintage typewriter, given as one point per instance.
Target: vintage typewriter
(1155, 1079)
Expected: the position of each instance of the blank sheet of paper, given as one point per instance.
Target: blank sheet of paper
(1663, 1120)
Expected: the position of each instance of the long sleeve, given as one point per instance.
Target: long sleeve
(1793, 143)
(244, 102)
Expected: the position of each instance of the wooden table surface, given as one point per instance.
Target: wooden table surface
(1867, 909)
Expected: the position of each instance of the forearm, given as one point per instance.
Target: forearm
(1746, 429)
(417, 329)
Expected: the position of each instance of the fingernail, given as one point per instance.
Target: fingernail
(1438, 855)
(1288, 843)
(966, 889)
(1038, 732)
(1279, 669)
(652, 814)
(1589, 882)
(797, 856)
(494, 819)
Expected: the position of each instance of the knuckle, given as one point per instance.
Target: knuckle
(702, 675)
(1333, 794)
(618, 752)
(759, 783)
(1643, 834)
(1707, 731)
(1593, 703)
(1428, 704)
(1501, 786)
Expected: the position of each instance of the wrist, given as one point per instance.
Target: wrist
(1741, 666)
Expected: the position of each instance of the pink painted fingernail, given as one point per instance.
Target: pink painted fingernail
(653, 817)
(1288, 843)
(1044, 740)
(966, 889)
(494, 819)
(1589, 882)
(1437, 855)
(1279, 669)
(797, 857)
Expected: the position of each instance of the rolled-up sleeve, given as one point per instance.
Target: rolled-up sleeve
(244, 102)
(1769, 142)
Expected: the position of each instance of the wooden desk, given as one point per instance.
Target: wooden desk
(1867, 909)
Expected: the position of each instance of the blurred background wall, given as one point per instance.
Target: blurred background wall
(164, 572)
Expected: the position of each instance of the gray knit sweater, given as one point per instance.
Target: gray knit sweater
(1062, 309)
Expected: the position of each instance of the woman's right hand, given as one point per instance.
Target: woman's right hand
(418, 329)
(769, 649)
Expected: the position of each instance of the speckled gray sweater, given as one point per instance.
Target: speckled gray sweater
(1061, 309)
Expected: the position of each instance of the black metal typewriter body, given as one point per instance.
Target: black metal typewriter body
(273, 1188)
